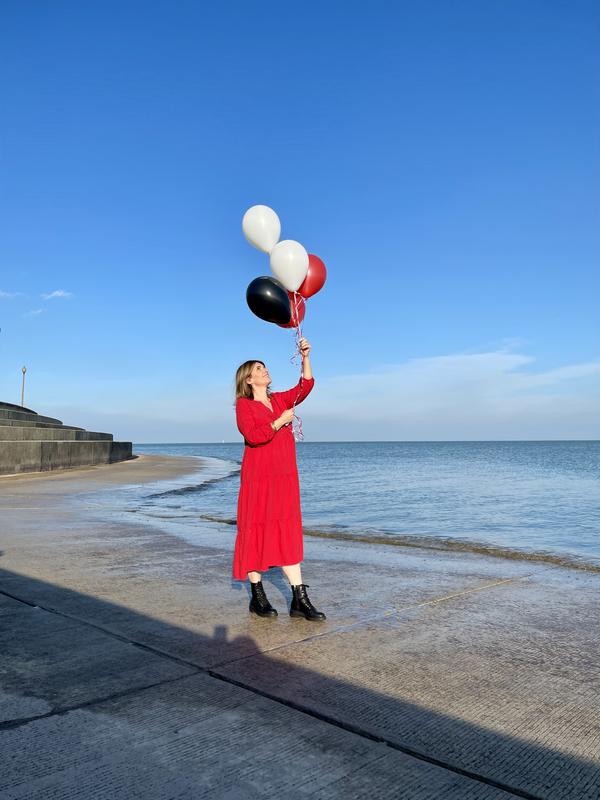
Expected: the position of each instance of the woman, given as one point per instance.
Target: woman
(269, 519)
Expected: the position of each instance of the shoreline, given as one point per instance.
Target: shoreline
(442, 545)
(163, 468)
(520, 507)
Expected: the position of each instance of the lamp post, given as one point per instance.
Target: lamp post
(23, 370)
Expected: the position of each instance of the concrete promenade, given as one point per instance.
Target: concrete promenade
(130, 667)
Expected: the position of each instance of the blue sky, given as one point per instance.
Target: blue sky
(442, 159)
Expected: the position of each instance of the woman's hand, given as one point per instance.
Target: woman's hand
(285, 418)
(304, 345)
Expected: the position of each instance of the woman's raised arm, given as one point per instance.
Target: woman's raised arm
(299, 393)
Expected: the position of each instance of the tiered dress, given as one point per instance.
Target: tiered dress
(269, 519)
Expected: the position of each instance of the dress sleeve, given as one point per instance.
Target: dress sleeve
(299, 393)
(253, 432)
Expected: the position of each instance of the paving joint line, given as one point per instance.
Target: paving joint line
(459, 594)
(357, 731)
(211, 671)
(10, 724)
(341, 628)
(373, 618)
(185, 662)
(96, 626)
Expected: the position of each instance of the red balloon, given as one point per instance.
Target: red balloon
(315, 277)
(297, 316)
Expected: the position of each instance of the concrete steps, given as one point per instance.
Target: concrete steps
(29, 416)
(25, 423)
(13, 407)
(10, 433)
(31, 442)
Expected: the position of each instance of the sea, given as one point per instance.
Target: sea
(534, 500)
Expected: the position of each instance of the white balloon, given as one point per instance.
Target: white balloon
(289, 262)
(262, 227)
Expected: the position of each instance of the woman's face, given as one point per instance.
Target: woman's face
(259, 375)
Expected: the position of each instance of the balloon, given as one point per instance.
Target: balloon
(315, 277)
(262, 227)
(289, 262)
(268, 299)
(295, 301)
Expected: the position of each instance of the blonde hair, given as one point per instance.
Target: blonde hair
(242, 387)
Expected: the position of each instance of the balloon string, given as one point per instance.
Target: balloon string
(297, 327)
(297, 422)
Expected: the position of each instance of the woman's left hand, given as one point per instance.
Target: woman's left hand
(304, 345)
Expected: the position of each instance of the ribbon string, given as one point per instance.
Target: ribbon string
(297, 422)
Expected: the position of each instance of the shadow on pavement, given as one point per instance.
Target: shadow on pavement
(90, 691)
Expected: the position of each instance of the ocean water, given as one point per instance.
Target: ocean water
(538, 500)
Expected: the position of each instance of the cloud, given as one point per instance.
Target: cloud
(472, 396)
(492, 395)
(8, 295)
(57, 293)
(34, 312)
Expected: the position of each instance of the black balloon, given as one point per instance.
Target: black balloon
(269, 300)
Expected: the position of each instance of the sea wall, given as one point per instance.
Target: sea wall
(30, 442)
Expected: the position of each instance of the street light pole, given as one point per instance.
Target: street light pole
(23, 370)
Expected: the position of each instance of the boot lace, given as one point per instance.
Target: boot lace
(260, 593)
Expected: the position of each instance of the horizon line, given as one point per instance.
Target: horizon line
(391, 441)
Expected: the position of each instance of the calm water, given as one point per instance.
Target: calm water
(536, 497)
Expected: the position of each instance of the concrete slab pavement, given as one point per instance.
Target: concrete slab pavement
(140, 672)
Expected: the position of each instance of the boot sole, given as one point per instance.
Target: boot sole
(299, 614)
(264, 616)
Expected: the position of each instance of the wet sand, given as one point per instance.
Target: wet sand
(131, 667)
(141, 469)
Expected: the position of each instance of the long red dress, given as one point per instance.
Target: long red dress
(269, 519)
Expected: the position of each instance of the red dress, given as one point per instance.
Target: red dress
(269, 519)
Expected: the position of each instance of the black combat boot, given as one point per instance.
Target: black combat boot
(301, 605)
(259, 603)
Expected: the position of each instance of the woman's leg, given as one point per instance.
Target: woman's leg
(293, 574)
(254, 577)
